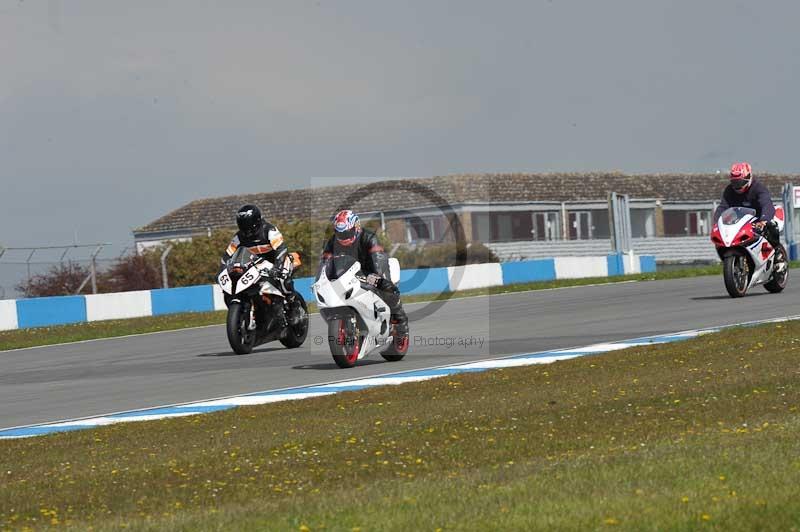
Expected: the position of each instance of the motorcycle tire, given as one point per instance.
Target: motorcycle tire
(241, 339)
(396, 350)
(736, 273)
(778, 281)
(344, 347)
(296, 334)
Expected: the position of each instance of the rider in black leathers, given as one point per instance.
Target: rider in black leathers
(349, 238)
(264, 240)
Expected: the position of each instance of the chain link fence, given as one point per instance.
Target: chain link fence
(20, 264)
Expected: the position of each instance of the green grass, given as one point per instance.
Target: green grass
(697, 435)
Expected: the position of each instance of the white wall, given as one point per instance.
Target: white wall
(219, 301)
(474, 276)
(633, 264)
(577, 267)
(118, 306)
(8, 314)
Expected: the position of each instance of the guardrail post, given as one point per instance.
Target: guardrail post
(620, 222)
(788, 221)
(164, 266)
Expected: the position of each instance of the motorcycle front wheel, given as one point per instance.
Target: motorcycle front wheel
(241, 338)
(735, 271)
(296, 334)
(344, 341)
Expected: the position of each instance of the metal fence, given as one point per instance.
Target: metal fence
(20, 264)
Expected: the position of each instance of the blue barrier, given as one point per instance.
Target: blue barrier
(616, 264)
(528, 271)
(647, 263)
(303, 287)
(43, 311)
(185, 299)
(424, 281)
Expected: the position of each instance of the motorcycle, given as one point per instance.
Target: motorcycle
(258, 311)
(358, 319)
(748, 259)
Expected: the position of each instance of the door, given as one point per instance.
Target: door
(580, 225)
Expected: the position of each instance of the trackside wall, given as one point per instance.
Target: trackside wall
(45, 311)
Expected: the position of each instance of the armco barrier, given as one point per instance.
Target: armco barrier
(528, 271)
(577, 267)
(8, 315)
(424, 281)
(118, 306)
(43, 311)
(474, 276)
(38, 312)
(186, 299)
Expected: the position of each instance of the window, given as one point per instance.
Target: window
(642, 223)
(481, 227)
(546, 226)
(419, 229)
(580, 225)
(687, 223)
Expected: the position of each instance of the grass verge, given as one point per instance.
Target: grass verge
(22, 338)
(703, 434)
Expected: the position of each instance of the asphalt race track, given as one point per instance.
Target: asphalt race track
(91, 378)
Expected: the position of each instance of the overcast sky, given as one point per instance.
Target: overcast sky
(113, 113)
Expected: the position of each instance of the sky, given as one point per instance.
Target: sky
(114, 113)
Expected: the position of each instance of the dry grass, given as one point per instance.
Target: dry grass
(698, 434)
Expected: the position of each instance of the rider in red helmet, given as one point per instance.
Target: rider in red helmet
(746, 191)
(349, 238)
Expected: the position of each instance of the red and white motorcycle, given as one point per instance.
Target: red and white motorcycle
(748, 259)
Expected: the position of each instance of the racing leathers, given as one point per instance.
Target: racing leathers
(267, 242)
(370, 253)
(756, 197)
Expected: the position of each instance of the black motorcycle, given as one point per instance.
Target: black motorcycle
(258, 310)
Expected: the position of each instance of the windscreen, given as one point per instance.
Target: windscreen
(734, 214)
(338, 265)
(241, 256)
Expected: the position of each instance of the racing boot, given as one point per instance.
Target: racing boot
(780, 259)
(399, 321)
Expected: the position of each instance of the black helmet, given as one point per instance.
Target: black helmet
(248, 218)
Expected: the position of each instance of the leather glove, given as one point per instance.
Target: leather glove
(759, 225)
(374, 279)
(277, 272)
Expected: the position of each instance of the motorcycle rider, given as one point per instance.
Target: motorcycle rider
(745, 191)
(263, 240)
(350, 238)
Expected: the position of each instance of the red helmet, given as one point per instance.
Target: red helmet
(741, 177)
(346, 227)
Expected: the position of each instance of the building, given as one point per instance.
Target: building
(491, 208)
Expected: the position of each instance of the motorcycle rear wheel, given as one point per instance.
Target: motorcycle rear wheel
(735, 271)
(779, 280)
(241, 339)
(345, 345)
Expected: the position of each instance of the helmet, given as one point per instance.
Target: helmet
(346, 227)
(741, 177)
(248, 219)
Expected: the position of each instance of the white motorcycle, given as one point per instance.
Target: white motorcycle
(747, 258)
(358, 319)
